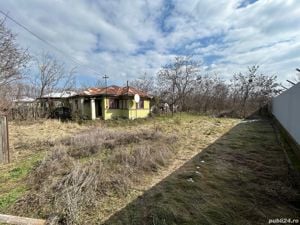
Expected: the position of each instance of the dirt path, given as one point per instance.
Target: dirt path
(242, 178)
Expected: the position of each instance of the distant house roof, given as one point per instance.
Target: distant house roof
(24, 100)
(115, 91)
(64, 94)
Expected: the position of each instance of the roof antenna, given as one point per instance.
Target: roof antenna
(127, 87)
(105, 78)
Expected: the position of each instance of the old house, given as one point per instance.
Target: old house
(111, 102)
(24, 101)
(54, 100)
(22, 108)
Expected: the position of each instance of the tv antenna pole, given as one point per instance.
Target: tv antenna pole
(105, 78)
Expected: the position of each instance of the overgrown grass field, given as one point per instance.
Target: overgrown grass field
(242, 178)
(63, 170)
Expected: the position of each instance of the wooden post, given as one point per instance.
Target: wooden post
(4, 144)
(8, 219)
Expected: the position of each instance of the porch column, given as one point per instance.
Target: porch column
(93, 109)
(82, 106)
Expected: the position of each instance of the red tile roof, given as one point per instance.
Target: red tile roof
(115, 91)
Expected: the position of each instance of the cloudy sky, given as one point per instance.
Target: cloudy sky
(125, 39)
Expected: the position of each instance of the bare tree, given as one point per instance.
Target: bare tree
(253, 90)
(98, 83)
(52, 75)
(144, 83)
(13, 61)
(245, 84)
(176, 80)
(181, 82)
(210, 95)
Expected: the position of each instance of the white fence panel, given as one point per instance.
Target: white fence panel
(286, 109)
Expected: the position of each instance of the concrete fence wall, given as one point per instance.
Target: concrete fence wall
(286, 109)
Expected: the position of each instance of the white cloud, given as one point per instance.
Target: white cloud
(126, 38)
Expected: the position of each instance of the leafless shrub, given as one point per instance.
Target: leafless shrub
(82, 188)
(127, 138)
(67, 190)
(227, 113)
(91, 142)
(150, 159)
(43, 180)
(151, 135)
(144, 158)
(56, 163)
(120, 180)
(79, 152)
(78, 190)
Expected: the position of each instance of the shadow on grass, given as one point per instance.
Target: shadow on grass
(242, 178)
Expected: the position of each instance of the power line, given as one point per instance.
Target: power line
(73, 59)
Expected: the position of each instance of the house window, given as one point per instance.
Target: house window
(141, 104)
(113, 103)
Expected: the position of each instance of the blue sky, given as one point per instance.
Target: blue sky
(125, 39)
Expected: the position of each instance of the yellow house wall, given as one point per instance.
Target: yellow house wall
(112, 113)
(131, 113)
(134, 113)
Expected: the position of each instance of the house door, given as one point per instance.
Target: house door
(98, 103)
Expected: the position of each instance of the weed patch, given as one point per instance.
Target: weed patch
(11, 197)
(65, 188)
(92, 170)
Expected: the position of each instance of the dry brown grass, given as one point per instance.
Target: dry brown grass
(56, 163)
(242, 178)
(92, 141)
(29, 142)
(118, 161)
(66, 188)
(144, 157)
(26, 137)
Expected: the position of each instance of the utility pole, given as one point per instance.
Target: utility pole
(105, 78)
(173, 92)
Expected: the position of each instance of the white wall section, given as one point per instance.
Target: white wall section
(286, 108)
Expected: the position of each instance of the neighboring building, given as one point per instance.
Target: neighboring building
(24, 101)
(22, 108)
(55, 99)
(111, 102)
